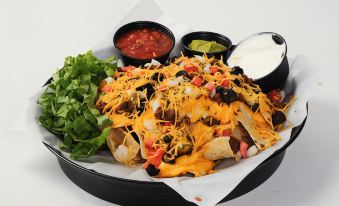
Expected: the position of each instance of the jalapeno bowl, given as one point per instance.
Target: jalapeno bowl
(207, 36)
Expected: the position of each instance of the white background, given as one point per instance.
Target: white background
(36, 35)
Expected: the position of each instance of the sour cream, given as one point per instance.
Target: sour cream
(258, 55)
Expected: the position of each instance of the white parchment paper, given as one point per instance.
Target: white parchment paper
(211, 188)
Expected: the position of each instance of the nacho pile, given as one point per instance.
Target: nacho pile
(186, 116)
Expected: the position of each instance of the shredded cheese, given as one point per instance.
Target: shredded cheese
(184, 109)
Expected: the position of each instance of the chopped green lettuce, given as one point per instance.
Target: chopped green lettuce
(68, 104)
(89, 147)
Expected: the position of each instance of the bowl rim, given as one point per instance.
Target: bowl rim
(258, 34)
(206, 32)
(161, 27)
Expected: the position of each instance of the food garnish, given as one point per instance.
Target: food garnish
(68, 104)
(187, 116)
(206, 46)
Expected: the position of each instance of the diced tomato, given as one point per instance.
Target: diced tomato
(214, 69)
(127, 68)
(197, 81)
(243, 149)
(274, 95)
(154, 158)
(116, 74)
(151, 151)
(103, 83)
(198, 199)
(167, 123)
(106, 88)
(130, 74)
(225, 83)
(190, 68)
(210, 86)
(226, 132)
(148, 143)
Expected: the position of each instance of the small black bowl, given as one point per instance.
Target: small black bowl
(278, 76)
(141, 25)
(208, 36)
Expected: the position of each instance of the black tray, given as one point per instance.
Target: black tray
(132, 192)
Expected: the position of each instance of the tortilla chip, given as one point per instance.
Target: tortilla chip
(265, 109)
(246, 117)
(219, 148)
(123, 146)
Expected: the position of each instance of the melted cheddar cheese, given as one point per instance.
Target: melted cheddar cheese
(184, 107)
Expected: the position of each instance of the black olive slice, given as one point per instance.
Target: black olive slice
(167, 158)
(149, 87)
(152, 170)
(220, 89)
(158, 77)
(278, 118)
(167, 138)
(277, 40)
(237, 70)
(182, 73)
(229, 96)
(237, 82)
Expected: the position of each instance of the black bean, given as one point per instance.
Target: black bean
(229, 96)
(152, 170)
(159, 77)
(277, 40)
(278, 117)
(237, 70)
(158, 113)
(130, 106)
(182, 73)
(122, 107)
(170, 115)
(167, 138)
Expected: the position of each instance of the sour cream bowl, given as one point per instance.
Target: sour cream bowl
(263, 57)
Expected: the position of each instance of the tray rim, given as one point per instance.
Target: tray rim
(293, 137)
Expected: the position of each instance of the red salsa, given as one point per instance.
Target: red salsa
(144, 43)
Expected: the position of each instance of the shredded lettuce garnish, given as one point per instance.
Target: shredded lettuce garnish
(68, 104)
